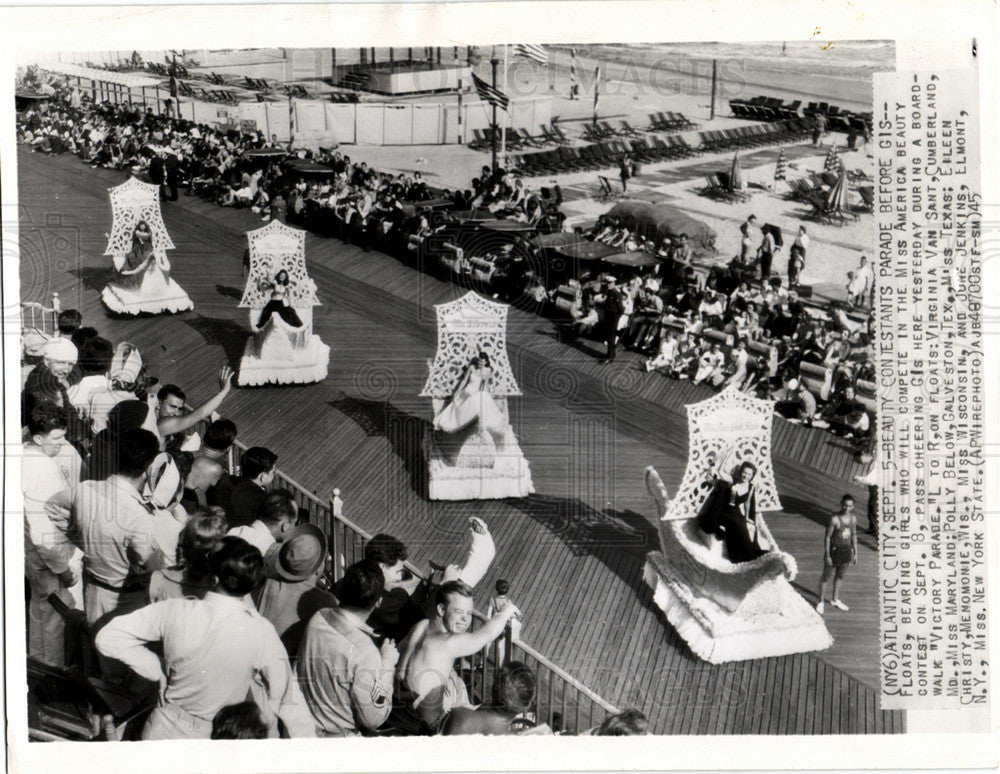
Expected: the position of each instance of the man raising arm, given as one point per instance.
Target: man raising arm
(427, 669)
(178, 423)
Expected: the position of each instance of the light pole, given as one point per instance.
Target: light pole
(493, 127)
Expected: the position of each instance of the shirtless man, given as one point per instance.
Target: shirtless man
(427, 666)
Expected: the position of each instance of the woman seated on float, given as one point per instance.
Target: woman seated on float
(472, 403)
(730, 513)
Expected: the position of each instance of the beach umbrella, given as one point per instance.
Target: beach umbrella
(832, 162)
(636, 259)
(780, 169)
(836, 198)
(736, 175)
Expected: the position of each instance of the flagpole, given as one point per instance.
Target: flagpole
(503, 130)
(493, 126)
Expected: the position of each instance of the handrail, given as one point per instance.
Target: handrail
(563, 674)
(570, 695)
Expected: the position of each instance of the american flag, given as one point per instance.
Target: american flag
(528, 51)
(490, 94)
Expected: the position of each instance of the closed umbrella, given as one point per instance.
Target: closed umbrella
(736, 175)
(836, 198)
(780, 171)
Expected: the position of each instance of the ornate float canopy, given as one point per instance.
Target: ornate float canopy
(466, 327)
(273, 248)
(724, 431)
(131, 202)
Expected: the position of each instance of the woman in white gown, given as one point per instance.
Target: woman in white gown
(142, 267)
(472, 403)
(141, 279)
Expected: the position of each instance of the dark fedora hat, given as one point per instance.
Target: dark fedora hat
(299, 556)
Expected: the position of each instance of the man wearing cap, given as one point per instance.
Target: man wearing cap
(289, 596)
(277, 519)
(59, 355)
(348, 681)
(614, 308)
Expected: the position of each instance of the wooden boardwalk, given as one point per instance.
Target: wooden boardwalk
(573, 552)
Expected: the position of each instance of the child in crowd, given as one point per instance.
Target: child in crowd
(495, 604)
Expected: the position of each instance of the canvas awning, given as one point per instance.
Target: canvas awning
(134, 80)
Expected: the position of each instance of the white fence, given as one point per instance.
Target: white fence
(325, 123)
(373, 123)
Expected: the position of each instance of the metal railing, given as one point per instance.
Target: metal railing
(563, 702)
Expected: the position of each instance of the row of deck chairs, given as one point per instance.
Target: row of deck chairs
(257, 84)
(519, 139)
(209, 95)
(669, 122)
(776, 132)
(838, 120)
(602, 130)
(764, 109)
(601, 155)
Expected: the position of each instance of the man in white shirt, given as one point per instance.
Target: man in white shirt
(95, 360)
(277, 520)
(49, 466)
(216, 651)
(125, 378)
(114, 526)
(797, 257)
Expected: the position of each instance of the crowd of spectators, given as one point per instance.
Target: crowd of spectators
(212, 591)
(737, 324)
(127, 489)
(323, 190)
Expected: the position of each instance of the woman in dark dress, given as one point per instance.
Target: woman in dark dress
(730, 507)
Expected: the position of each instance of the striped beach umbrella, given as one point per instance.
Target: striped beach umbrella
(837, 199)
(597, 90)
(736, 174)
(781, 168)
(832, 163)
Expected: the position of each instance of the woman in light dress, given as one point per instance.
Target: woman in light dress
(472, 403)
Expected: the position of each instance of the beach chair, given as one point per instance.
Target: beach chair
(527, 139)
(628, 130)
(867, 194)
(572, 160)
(607, 191)
(680, 121)
(560, 135)
(607, 129)
(590, 155)
(591, 133)
(642, 151)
